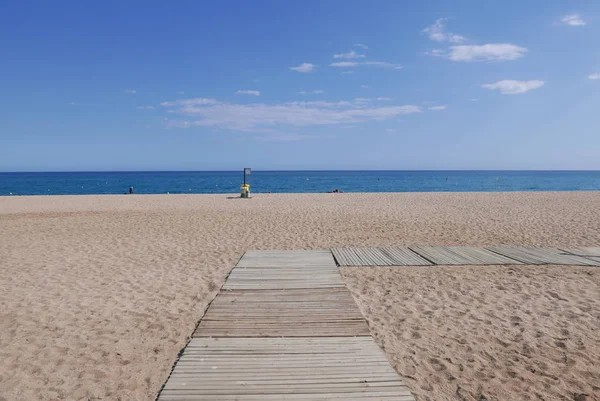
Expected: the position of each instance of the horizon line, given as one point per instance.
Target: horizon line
(292, 171)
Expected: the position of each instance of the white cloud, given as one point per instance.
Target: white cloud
(247, 92)
(350, 55)
(384, 64)
(437, 108)
(594, 76)
(198, 101)
(344, 64)
(488, 52)
(361, 46)
(473, 99)
(72, 103)
(261, 117)
(314, 92)
(180, 92)
(145, 107)
(390, 130)
(365, 86)
(384, 98)
(347, 72)
(573, 20)
(349, 64)
(304, 67)
(437, 32)
(130, 91)
(512, 87)
(436, 53)
(287, 137)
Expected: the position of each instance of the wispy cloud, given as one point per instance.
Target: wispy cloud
(180, 92)
(437, 53)
(350, 64)
(72, 103)
(365, 86)
(304, 67)
(594, 76)
(145, 107)
(437, 32)
(512, 87)
(287, 137)
(488, 52)
(361, 46)
(130, 91)
(573, 20)
(347, 72)
(438, 108)
(261, 117)
(350, 55)
(198, 101)
(313, 92)
(247, 92)
(384, 64)
(345, 64)
(381, 98)
(473, 99)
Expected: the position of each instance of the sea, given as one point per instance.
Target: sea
(228, 182)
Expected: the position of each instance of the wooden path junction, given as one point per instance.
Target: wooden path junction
(284, 327)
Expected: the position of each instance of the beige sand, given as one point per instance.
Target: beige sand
(487, 332)
(99, 293)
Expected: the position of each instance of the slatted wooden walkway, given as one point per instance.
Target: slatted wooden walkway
(543, 256)
(465, 255)
(284, 327)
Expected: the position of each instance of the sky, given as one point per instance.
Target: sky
(289, 85)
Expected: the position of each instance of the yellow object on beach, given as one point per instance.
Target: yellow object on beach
(244, 190)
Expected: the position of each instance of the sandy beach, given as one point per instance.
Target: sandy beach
(99, 293)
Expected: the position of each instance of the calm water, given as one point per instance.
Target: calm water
(200, 182)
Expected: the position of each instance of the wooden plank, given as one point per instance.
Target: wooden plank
(363, 259)
(375, 258)
(339, 257)
(593, 251)
(336, 368)
(351, 257)
(287, 258)
(283, 278)
(295, 313)
(542, 256)
(462, 255)
(389, 256)
(405, 257)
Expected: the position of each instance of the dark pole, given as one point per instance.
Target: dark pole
(244, 176)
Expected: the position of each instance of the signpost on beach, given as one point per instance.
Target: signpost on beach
(245, 188)
(246, 171)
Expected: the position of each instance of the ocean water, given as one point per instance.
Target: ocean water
(205, 182)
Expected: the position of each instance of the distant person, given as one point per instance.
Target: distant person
(130, 190)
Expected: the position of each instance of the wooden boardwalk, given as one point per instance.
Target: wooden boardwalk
(284, 327)
(465, 255)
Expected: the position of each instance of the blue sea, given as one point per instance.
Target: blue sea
(207, 182)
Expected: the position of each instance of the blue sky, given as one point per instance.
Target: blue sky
(126, 85)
